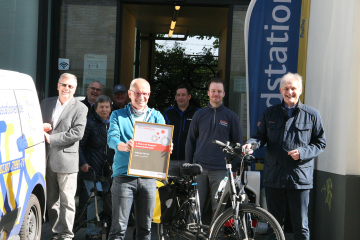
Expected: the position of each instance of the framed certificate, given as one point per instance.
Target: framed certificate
(150, 155)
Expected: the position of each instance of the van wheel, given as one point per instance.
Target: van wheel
(31, 226)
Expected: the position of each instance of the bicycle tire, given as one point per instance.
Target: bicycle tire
(181, 219)
(260, 225)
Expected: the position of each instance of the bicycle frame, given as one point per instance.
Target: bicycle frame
(230, 192)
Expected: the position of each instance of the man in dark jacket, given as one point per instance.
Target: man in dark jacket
(93, 92)
(180, 116)
(214, 122)
(294, 135)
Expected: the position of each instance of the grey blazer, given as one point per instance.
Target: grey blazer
(63, 151)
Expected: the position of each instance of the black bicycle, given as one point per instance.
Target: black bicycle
(102, 219)
(243, 220)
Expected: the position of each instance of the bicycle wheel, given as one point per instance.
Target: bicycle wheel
(181, 223)
(255, 224)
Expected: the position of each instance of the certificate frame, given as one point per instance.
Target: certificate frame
(150, 155)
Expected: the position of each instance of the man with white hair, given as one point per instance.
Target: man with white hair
(64, 120)
(128, 189)
(294, 135)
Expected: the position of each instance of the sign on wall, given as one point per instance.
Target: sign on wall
(95, 69)
(64, 64)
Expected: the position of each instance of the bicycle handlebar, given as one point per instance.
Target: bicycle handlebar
(219, 143)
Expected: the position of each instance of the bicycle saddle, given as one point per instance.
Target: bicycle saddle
(191, 169)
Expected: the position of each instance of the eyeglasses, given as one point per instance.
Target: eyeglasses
(96, 89)
(66, 85)
(138, 94)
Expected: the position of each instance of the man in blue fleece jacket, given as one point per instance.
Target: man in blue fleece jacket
(214, 122)
(128, 189)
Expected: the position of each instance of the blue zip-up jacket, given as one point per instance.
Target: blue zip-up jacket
(121, 131)
(210, 124)
(302, 131)
(181, 121)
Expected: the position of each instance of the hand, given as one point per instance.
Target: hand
(47, 137)
(47, 127)
(234, 175)
(294, 154)
(126, 147)
(247, 146)
(85, 167)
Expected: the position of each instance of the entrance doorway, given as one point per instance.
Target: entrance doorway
(114, 41)
(164, 61)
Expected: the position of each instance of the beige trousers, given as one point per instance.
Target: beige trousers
(61, 189)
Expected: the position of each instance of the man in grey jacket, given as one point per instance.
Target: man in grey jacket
(64, 120)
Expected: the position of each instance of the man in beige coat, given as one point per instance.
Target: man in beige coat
(64, 120)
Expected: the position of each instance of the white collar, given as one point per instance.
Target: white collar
(58, 103)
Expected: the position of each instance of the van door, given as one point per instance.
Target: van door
(12, 161)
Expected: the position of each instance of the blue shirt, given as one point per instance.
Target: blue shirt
(291, 110)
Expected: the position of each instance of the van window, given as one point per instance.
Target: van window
(30, 116)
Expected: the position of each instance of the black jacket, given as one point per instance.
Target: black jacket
(181, 121)
(91, 108)
(93, 148)
(210, 124)
(303, 131)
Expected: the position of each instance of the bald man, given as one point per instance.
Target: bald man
(128, 189)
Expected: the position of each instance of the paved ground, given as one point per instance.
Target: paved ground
(80, 235)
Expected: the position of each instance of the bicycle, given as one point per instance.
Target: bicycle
(102, 219)
(243, 220)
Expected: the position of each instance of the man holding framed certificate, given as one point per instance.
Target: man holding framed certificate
(127, 189)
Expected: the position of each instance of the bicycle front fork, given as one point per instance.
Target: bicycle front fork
(240, 222)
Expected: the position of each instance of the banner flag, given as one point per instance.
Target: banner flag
(275, 44)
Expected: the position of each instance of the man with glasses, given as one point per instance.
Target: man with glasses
(93, 92)
(64, 120)
(128, 189)
(119, 97)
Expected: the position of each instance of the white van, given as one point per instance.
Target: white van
(22, 158)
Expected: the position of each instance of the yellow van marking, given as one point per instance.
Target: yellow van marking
(26, 189)
(29, 167)
(8, 183)
(2, 207)
(9, 131)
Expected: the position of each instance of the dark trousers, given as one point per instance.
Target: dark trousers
(298, 201)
